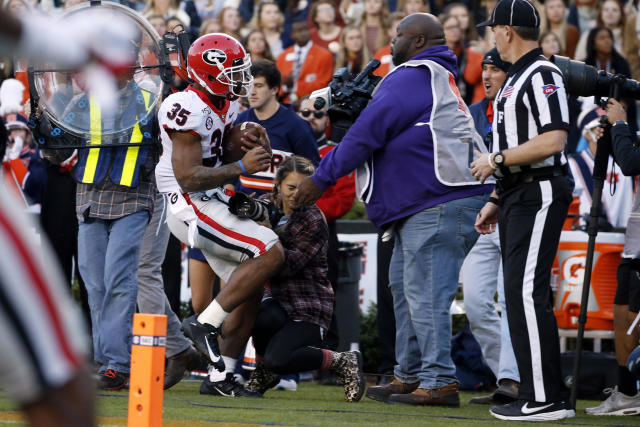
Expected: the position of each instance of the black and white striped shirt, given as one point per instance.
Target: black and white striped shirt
(531, 101)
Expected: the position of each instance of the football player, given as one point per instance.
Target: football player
(193, 125)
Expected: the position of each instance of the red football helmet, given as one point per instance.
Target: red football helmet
(219, 63)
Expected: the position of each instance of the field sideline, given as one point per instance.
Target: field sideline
(311, 405)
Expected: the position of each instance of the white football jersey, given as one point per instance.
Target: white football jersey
(191, 111)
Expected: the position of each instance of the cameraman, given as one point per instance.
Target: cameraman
(623, 397)
(419, 189)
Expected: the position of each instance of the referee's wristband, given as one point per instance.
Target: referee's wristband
(244, 170)
(493, 200)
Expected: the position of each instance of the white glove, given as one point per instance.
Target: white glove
(11, 93)
(14, 151)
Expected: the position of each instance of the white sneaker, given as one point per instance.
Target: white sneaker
(289, 385)
(618, 404)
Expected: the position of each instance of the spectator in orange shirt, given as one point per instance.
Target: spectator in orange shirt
(469, 79)
(384, 55)
(304, 66)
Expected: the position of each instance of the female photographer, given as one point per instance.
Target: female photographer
(296, 309)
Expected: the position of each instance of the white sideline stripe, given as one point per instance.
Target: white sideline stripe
(527, 291)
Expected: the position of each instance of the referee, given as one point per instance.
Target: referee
(532, 196)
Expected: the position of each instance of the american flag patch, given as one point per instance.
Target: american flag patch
(507, 92)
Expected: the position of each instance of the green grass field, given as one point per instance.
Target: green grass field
(311, 405)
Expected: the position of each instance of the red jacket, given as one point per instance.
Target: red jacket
(338, 199)
(316, 72)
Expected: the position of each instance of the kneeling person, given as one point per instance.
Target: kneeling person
(296, 310)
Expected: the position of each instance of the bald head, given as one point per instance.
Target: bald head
(416, 32)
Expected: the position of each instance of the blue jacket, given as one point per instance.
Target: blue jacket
(391, 130)
(479, 113)
(289, 134)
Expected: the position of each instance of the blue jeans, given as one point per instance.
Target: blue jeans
(482, 277)
(108, 254)
(423, 276)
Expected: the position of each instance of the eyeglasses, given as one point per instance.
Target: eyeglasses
(317, 114)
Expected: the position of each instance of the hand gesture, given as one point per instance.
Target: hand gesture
(487, 219)
(308, 193)
(615, 111)
(480, 168)
(256, 160)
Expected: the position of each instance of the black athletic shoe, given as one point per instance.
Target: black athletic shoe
(113, 380)
(205, 339)
(228, 387)
(522, 410)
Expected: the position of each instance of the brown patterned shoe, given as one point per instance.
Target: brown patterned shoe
(261, 379)
(382, 392)
(443, 396)
(348, 369)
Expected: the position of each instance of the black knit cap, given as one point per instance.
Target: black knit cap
(493, 58)
(515, 13)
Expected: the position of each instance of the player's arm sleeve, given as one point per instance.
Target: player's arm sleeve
(394, 108)
(547, 99)
(177, 114)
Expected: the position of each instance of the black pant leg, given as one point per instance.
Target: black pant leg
(332, 339)
(171, 273)
(270, 319)
(295, 348)
(529, 237)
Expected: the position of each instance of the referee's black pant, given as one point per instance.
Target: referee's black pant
(530, 221)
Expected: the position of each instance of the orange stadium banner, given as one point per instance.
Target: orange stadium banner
(147, 370)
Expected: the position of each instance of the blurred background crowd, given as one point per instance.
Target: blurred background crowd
(349, 33)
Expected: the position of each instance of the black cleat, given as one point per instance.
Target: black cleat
(228, 387)
(113, 380)
(205, 338)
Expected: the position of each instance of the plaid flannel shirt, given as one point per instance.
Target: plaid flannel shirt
(302, 287)
(106, 200)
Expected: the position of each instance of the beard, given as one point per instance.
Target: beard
(399, 54)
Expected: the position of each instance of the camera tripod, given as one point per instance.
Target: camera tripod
(603, 150)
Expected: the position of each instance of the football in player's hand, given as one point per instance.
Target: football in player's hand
(241, 138)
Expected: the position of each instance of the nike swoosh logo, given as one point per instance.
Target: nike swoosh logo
(214, 357)
(526, 410)
(223, 393)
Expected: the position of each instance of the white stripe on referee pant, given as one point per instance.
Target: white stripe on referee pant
(527, 291)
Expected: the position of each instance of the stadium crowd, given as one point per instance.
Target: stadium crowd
(295, 47)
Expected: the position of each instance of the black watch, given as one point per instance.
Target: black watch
(621, 122)
(498, 159)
